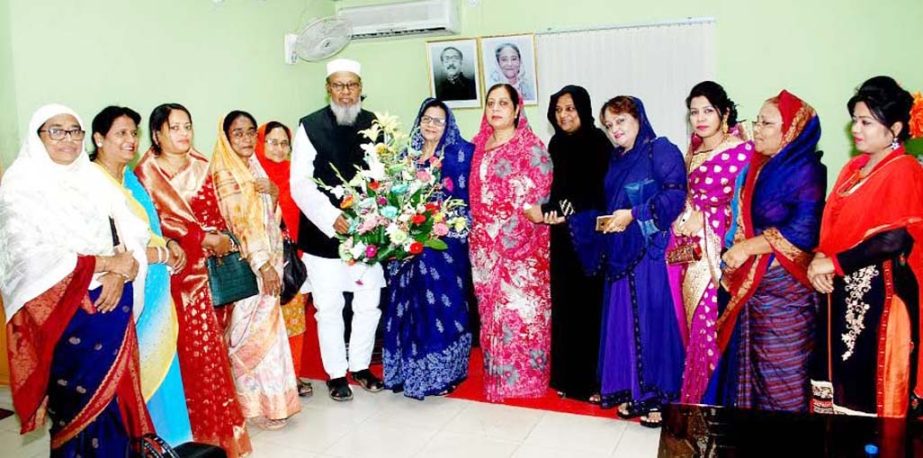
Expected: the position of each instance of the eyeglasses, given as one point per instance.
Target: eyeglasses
(760, 124)
(284, 144)
(438, 122)
(238, 134)
(57, 133)
(340, 87)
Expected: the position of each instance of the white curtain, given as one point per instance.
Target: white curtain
(658, 63)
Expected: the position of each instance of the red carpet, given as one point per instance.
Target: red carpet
(471, 389)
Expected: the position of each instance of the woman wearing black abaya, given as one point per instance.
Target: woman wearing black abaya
(580, 153)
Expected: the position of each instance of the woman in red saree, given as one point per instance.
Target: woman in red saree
(869, 264)
(69, 252)
(178, 180)
(510, 178)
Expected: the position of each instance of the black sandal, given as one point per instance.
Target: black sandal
(305, 389)
(446, 391)
(339, 389)
(368, 381)
(629, 412)
(647, 422)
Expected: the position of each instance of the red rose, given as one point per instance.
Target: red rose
(374, 185)
(416, 248)
(417, 219)
(432, 207)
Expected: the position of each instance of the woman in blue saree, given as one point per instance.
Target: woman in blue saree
(641, 350)
(70, 250)
(766, 327)
(115, 144)
(427, 339)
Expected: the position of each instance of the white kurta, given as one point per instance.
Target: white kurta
(329, 278)
(325, 273)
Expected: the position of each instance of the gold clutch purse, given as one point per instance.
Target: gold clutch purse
(685, 253)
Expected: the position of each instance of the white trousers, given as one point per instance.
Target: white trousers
(328, 279)
(330, 329)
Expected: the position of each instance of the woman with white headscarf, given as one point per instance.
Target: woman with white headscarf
(69, 251)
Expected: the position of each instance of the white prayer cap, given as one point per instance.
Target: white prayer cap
(343, 65)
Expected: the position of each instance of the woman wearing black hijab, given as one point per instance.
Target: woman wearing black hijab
(580, 153)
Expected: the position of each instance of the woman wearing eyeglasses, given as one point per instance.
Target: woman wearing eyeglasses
(273, 148)
(427, 338)
(766, 330)
(177, 178)
(71, 250)
(261, 360)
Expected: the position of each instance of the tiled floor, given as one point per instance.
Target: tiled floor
(388, 425)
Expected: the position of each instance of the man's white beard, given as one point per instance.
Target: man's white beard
(346, 116)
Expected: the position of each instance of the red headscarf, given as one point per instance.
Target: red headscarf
(279, 174)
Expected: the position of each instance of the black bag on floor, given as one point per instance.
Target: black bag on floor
(152, 446)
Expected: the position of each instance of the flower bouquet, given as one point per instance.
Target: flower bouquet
(395, 207)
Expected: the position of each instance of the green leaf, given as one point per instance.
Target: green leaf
(435, 244)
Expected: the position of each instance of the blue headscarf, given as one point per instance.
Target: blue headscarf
(451, 136)
(650, 179)
(455, 151)
(646, 133)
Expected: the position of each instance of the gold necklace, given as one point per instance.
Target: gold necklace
(723, 141)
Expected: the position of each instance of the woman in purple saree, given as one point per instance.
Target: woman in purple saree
(641, 353)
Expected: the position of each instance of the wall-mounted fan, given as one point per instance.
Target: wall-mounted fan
(318, 40)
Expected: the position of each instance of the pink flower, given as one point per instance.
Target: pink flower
(440, 229)
(367, 225)
(371, 251)
(424, 176)
(448, 184)
(382, 201)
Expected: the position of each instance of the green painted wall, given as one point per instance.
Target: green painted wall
(9, 135)
(211, 57)
(217, 57)
(818, 49)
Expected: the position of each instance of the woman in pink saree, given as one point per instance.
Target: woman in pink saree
(715, 158)
(510, 179)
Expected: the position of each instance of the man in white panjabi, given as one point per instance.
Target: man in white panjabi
(326, 138)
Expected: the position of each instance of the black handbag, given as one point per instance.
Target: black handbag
(294, 272)
(230, 278)
(152, 446)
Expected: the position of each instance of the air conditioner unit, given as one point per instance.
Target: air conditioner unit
(389, 20)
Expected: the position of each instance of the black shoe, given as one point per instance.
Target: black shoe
(368, 381)
(339, 389)
(649, 422)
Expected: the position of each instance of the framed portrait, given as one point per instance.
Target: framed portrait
(511, 59)
(453, 72)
